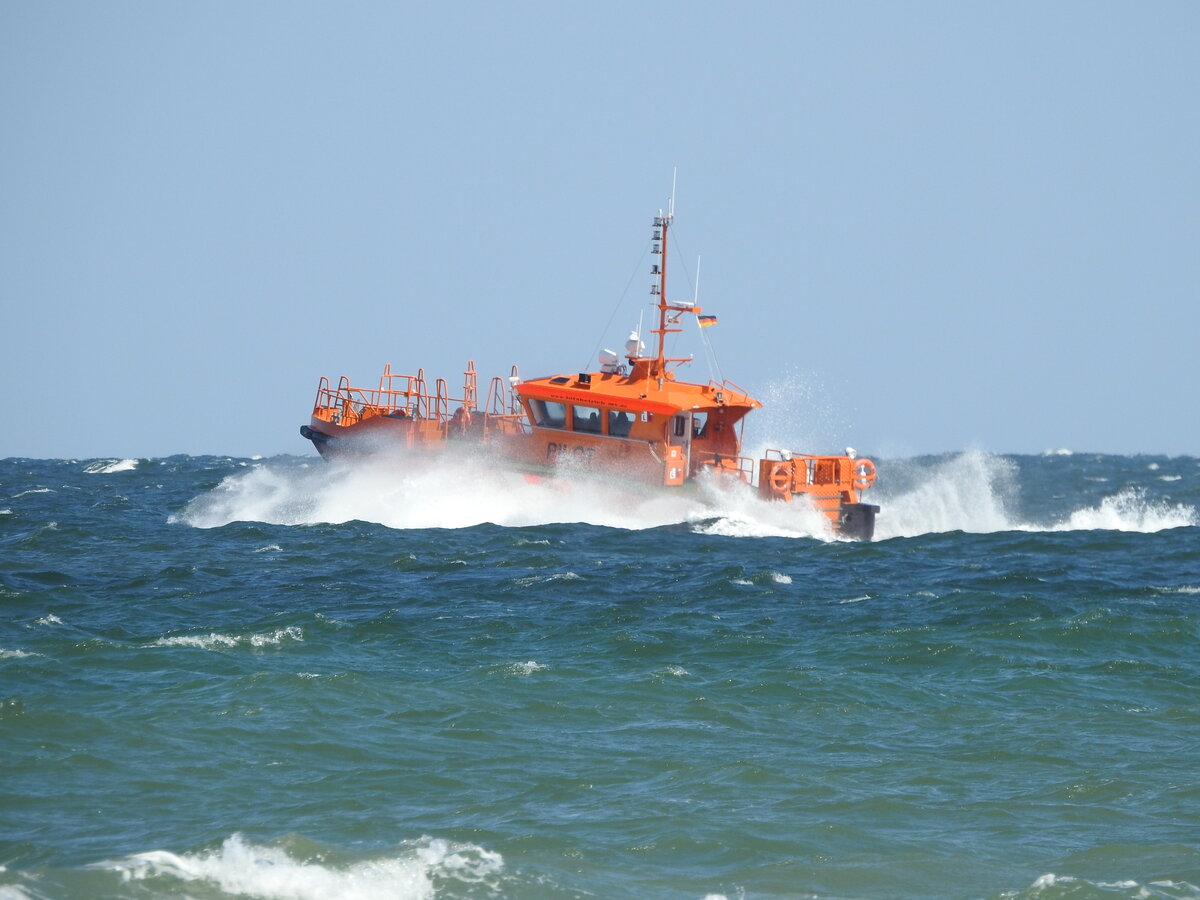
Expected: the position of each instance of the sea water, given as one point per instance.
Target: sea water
(277, 678)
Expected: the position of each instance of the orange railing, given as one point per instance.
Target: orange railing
(782, 474)
(408, 396)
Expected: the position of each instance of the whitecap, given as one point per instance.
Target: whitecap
(16, 891)
(201, 641)
(109, 466)
(49, 619)
(1130, 510)
(215, 641)
(526, 668)
(530, 580)
(271, 873)
(16, 654)
(968, 492)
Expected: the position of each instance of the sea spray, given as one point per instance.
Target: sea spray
(974, 492)
(967, 492)
(453, 491)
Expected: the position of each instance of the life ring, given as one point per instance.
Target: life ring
(864, 474)
(781, 478)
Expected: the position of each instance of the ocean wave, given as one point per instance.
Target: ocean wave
(1130, 510)
(977, 492)
(109, 466)
(273, 873)
(216, 641)
(526, 668)
(16, 654)
(1067, 887)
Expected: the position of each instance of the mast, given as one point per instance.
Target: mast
(662, 225)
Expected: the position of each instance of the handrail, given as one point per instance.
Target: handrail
(409, 396)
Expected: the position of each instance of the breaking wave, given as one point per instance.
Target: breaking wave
(244, 869)
(216, 641)
(109, 466)
(1130, 510)
(980, 493)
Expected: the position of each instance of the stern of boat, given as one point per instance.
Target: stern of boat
(832, 484)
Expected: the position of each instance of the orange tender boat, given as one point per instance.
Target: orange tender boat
(632, 420)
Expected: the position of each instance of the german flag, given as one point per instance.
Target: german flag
(705, 321)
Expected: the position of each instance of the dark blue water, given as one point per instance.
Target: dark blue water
(279, 679)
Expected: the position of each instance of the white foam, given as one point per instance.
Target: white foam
(109, 466)
(49, 619)
(1130, 510)
(1154, 890)
(459, 492)
(526, 668)
(271, 873)
(973, 492)
(548, 578)
(16, 654)
(967, 492)
(216, 641)
(15, 891)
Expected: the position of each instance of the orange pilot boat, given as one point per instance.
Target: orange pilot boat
(634, 421)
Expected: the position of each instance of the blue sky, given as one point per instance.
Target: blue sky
(924, 227)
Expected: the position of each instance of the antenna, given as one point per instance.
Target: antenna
(671, 204)
(696, 290)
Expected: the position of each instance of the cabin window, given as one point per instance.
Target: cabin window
(699, 424)
(619, 423)
(679, 425)
(586, 418)
(548, 414)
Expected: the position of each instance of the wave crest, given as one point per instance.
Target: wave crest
(272, 873)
